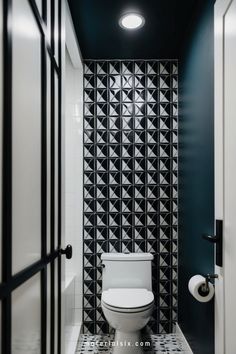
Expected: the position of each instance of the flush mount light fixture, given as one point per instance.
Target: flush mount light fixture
(132, 21)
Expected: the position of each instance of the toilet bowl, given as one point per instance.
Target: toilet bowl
(127, 308)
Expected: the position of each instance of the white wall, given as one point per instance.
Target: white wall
(74, 177)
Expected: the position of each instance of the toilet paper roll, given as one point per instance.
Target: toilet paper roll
(195, 288)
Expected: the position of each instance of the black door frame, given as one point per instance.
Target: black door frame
(11, 282)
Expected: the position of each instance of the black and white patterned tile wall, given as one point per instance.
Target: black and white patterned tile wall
(130, 178)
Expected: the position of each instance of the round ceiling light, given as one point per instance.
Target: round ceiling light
(132, 21)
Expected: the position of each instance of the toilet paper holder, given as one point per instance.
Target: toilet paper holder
(208, 277)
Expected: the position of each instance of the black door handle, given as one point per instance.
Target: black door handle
(212, 239)
(67, 251)
(218, 240)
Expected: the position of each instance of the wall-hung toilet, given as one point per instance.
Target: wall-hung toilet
(127, 298)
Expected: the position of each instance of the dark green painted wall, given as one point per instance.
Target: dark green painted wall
(196, 177)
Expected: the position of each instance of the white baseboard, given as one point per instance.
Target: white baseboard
(187, 348)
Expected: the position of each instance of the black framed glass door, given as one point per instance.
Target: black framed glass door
(30, 280)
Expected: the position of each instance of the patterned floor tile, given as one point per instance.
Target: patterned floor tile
(154, 344)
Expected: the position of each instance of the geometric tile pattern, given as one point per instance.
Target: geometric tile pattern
(130, 178)
(153, 344)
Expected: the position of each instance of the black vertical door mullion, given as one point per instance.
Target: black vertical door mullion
(43, 310)
(44, 10)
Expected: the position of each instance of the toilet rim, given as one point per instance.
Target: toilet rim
(126, 309)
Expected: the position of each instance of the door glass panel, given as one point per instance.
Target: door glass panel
(56, 30)
(48, 307)
(26, 317)
(1, 116)
(39, 5)
(56, 161)
(49, 4)
(48, 153)
(26, 146)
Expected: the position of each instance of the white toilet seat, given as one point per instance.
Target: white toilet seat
(127, 310)
(127, 300)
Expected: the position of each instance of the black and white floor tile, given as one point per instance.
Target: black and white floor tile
(153, 344)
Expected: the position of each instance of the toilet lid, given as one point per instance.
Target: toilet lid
(127, 298)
